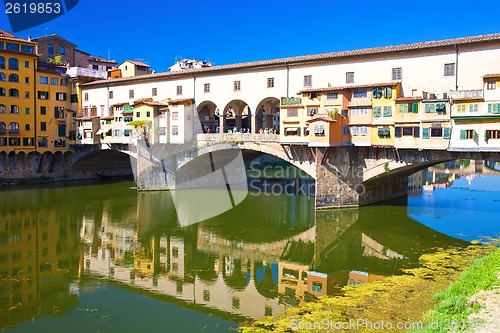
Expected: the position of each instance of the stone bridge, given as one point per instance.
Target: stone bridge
(344, 176)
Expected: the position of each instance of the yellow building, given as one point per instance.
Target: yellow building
(383, 106)
(407, 122)
(54, 116)
(293, 126)
(17, 94)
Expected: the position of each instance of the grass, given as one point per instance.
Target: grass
(454, 306)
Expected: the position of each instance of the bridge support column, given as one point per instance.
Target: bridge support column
(238, 122)
(253, 123)
(222, 124)
(337, 183)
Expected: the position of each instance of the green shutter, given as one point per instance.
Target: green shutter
(377, 111)
(387, 111)
(397, 132)
(487, 135)
(414, 107)
(446, 132)
(416, 131)
(463, 135)
(426, 132)
(61, 129)
(403, 108)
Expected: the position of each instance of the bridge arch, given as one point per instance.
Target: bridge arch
(265, 113)
(209, 116)
(237, 114)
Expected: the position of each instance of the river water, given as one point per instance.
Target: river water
(87, 257)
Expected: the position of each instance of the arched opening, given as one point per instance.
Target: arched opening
(234, 273)
(237, 117)
(209, 117)
(267, 115)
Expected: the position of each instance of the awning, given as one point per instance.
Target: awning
(103, 130)
(384, 131)
(291, 129)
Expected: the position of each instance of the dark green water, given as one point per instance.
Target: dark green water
(103, 258)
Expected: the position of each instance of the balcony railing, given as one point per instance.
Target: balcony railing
(86, 72)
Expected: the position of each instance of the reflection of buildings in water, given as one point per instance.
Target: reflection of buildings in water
(359, 277)
(38, 260)
(416, 182)
(372, 248)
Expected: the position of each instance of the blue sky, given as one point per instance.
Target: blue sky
(226, 32)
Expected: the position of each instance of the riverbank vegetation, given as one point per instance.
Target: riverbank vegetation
(456, 303)
(393, 304)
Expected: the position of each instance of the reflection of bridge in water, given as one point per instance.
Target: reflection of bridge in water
(222, 266)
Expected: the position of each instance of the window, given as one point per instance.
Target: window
(346, 130)
(26, 64)
(206, 87)
(317, 287)
(407, 131)
(50, 51)
(12, 46)
(449, 69)
(44, 80)
(13, 64)
(138, 114)
(110, 94)
(63, 82)
(237, 85)
(359, 111)
(473, 107)
(377, 111)
(74, 98)
(312, 111)
(349, 77)
(26, 94)
(27, 48)
(2, 92)
(179, 90)
(2, 76)
(307, 80)
(360, 93)
(387, 111)
(235, 302)
(60, 96)
(43, 95)
(43, 110)
(175, 130)
(26, 110)
(494, 108)
(43, 126)
(3, 127)
(397, 73)
(13, 78)
(332, 95)
(292, 131)
(292, 112)
(440, 108)
(461, 107)
(436, 132)
(2, 62)
(492, 134)
(175, 115)
(148, 114)
(54, 81)
(3, 109)
(14, 128)
(13, 93)
(27, 127)
(206, 295)
(131, 93)
(270, 82)
(467, 134)
(43, 142)
(319, 130)
(154, 91)
(384, 132)
(62, 50)
(58, 112)
(26, 80)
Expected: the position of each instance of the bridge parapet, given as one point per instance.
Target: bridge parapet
(203, 139)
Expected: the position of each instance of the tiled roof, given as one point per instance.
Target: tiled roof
(327, 119)
(137, 63)
(409, 98)
(353, 86)
(312, 58)
(17, 39)
(489, 76)
(107, 118)
(180, 100)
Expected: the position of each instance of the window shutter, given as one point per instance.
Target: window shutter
(377, 111)
(426, 132)
(463, 135)
(487, 135)
(414, 107)
(446, 132)
(416, 131)
(61, 129)
(397, 132)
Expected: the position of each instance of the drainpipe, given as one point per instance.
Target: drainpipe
(287, 78)
(194, 108)
(456, 67)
